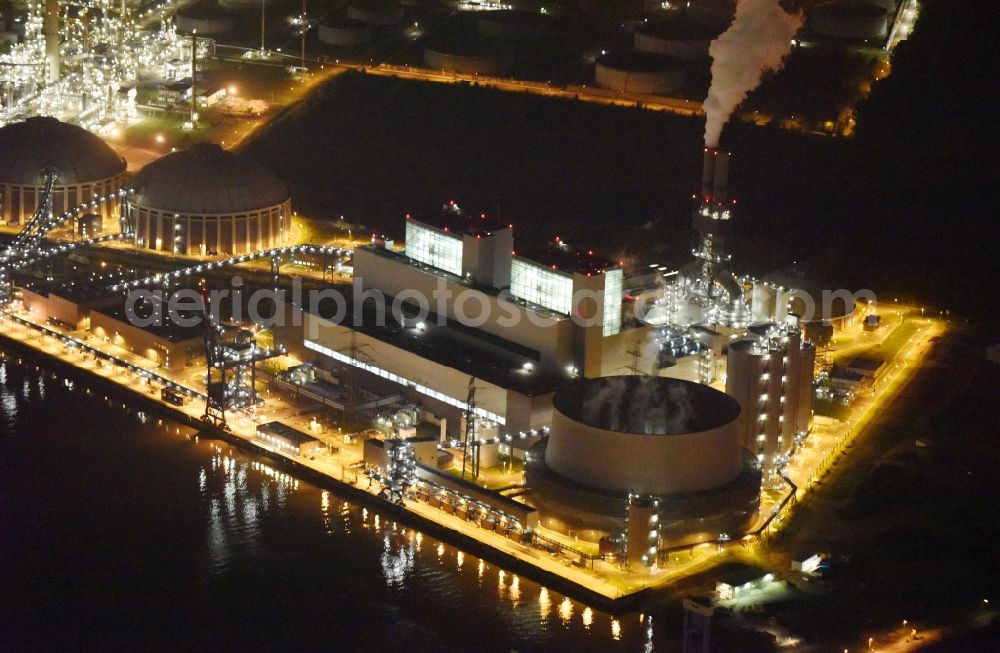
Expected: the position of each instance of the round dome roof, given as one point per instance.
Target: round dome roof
(37, 143)
(207, 180)
(646, 405)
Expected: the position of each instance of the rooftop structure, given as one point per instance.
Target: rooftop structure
(286, 438)
(559, 256)
(477, 255)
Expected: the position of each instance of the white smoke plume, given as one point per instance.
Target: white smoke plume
(757, 41)
(637, 404)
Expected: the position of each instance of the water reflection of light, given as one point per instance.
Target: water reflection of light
(378, 523)
(26, 389)
(544, 605)
(616, 629)
(515, 591)
(501, 585)
(566, 610)
(648, 647)
(482, 570)
(41, 386)
(236, 506)
(440, 550)
(588, 617)
(345, 517)
(461, 559)
(324, 509)
(397, 562)
(9, 401)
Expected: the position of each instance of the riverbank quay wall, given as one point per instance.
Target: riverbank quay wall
(143, 401)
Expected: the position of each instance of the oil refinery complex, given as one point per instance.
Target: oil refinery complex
(577, 416)
(81, 62)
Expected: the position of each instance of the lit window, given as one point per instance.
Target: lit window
(543, 286)
(612, 302)
(433, 247)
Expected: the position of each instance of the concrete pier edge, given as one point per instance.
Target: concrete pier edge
(627, 603)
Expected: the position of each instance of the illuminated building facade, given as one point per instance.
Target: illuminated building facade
(434, 247)
(574, 298)
(770, 374)
(207, 201)
(505, 320)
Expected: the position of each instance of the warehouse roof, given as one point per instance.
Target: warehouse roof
(282, 430)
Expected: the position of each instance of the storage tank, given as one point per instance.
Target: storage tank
(674, 38)
(461, 53)
(639, 72)
(754, 378)
(673, 440)
(807, 366)
(763, 301)
(87, 169)
(770, 372)
(344, 33)
(644, 434)
(208, 201)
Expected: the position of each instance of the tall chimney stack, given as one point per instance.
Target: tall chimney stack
(50, 28)
(715, 175)
(194, 77)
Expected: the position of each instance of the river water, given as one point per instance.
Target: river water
(120, 530)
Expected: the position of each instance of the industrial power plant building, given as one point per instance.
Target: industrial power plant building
(506, 320)
(207, 201)
(670, 440)
(87, 170)
(770, 374)
(541, 338)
